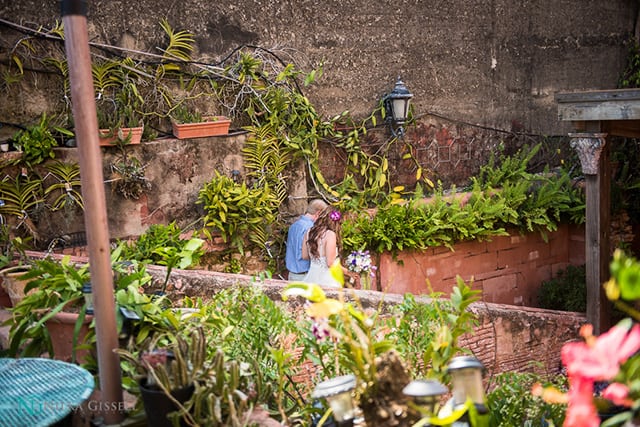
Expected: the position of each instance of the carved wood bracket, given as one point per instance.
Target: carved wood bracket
(589, 147)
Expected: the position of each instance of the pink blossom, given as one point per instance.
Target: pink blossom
(618, 394)
(599, 359)
(596, 359)
(581, 412)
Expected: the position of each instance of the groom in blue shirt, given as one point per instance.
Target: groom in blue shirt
(297, 266)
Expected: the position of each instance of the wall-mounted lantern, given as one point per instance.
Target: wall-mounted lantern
(396, 104)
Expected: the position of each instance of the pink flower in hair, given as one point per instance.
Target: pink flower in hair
(335, 215)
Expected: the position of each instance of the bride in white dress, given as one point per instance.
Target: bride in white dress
(320, 245)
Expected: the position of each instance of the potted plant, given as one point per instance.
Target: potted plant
(118, 104)
(12, 290)
(52, 318)
(189, 124)
(12, 271)
(167, 368)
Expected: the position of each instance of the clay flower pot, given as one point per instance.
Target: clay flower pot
(213, 126)
(61, 330)
(107, 139)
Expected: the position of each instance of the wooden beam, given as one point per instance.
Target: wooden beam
(593, 151)
(620, 104)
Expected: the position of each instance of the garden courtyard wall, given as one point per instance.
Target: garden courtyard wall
(506, 269)
(507, 338)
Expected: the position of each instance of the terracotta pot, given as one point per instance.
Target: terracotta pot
(157, 405)
(5, 301)
(218, 125)
(61, 327)
(110, 141)
(12, 283)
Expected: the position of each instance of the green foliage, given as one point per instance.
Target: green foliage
(270, 331)
(419, 224)
(502, 196)
(426, 334)
(36, 142)
(234, 267)
(567, 291)
(182, 114)
(146, 248)
(118, 101)
(240, 213)
(65, 191)
(630, 77)
(163, 245)
(23, 197)
(512, 404)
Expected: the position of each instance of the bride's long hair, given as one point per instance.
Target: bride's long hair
(329, 219)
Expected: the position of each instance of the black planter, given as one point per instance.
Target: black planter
(157, 404)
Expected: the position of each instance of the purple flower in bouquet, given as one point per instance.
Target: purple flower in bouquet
(360, 262)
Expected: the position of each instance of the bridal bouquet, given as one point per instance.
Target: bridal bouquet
(360, 262)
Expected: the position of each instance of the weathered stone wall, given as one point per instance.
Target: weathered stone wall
(507, 338)
(479, 69)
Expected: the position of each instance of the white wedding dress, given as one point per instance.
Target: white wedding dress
(319, 270)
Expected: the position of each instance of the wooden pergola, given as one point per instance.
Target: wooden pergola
(596, 116)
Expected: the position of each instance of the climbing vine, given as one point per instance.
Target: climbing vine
(264, 94)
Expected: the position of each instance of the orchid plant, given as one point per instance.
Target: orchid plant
(347, 324)
(350, 339)
(612, 358)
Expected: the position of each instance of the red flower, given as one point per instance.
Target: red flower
(599, 358)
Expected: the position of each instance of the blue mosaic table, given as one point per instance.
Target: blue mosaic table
(40, 392)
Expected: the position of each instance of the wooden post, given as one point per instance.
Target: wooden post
(86, 129)
(593, 152)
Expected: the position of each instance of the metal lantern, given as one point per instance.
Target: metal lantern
(88, 297)
(396, 105)
(425, 393)
(466, 381)
(338, 394)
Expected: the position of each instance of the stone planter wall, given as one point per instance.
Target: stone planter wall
(507, 338)
(507, 269)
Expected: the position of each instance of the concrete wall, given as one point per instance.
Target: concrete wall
(489, 62)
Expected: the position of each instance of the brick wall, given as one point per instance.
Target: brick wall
(507, 269)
